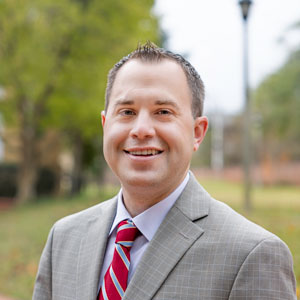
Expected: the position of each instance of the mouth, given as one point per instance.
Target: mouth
(144, 152)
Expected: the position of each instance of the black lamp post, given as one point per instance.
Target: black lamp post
(245, 7)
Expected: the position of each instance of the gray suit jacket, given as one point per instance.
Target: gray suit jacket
(202, 250)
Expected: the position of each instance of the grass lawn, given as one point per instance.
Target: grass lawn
(23, 230)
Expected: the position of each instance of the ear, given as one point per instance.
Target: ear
(103, 118)
(200, 128)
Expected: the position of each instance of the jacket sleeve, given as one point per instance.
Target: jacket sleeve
(43, 283)
(266, 273)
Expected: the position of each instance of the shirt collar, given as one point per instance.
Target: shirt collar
(149, 220)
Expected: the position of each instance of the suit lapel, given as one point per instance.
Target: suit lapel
(174, 237)
(92, 250)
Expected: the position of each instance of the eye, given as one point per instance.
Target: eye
(127, 112)
(164, 112)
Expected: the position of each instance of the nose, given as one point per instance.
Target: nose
(143, 126)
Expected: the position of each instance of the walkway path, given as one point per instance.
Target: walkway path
(5, 298)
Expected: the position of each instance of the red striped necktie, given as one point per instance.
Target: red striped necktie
(115, 279)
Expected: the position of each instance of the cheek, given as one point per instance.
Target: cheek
(113, 137)
(179, 139)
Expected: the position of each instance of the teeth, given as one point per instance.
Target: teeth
(144, 152)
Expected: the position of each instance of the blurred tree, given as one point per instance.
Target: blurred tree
(54, 58)
(277, 100)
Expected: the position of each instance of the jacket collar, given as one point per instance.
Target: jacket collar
(173, 239)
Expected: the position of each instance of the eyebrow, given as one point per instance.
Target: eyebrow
(167, 102)
(157, 102)
(123, 102)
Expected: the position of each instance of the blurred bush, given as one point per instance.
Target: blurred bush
(8, 180)
(45, 185)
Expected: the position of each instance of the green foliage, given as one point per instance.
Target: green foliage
(24, 229)
(56, 54)
(278, 101)
(54, 58)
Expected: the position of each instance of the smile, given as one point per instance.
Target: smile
(146, 152)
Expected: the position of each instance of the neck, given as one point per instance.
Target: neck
(136, 202)
(139, 198)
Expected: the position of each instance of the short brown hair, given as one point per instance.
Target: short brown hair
(149, 52)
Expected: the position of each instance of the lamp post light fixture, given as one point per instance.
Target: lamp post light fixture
(245, 7)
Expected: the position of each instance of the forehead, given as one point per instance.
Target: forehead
(165, 76)
(163, 66)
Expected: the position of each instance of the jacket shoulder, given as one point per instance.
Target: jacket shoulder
(77, 222)
(235, 228)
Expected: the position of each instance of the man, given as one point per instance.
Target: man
(178, 242)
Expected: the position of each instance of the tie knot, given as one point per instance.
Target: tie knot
(126, 233)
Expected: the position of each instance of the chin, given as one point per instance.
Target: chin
(141, 180)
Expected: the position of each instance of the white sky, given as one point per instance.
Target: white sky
(210, 33)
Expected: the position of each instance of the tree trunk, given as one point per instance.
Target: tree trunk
(26, 183)
(28, 170)
(77, 168)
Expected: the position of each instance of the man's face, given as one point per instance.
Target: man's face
(149, 131)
